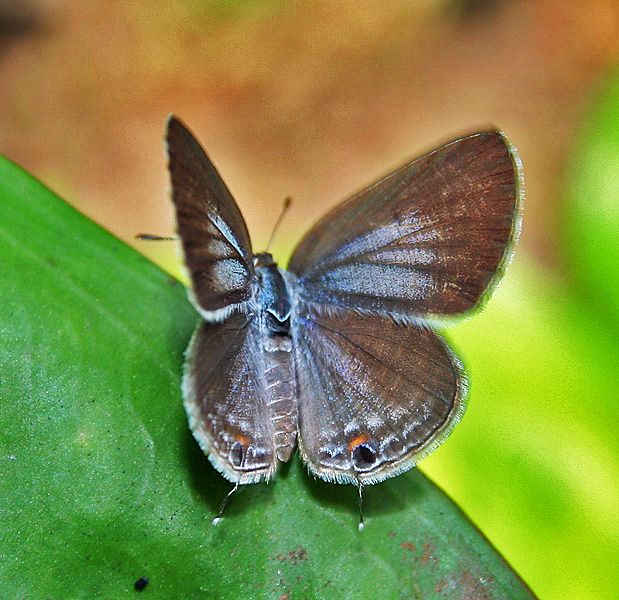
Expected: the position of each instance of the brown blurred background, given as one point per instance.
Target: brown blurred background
(308, 99)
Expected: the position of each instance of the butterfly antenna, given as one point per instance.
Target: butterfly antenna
(361, 521)
(151, 237)
(285, 207)
(225, 503)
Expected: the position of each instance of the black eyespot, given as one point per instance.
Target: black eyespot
(363, 457)
(237, 450)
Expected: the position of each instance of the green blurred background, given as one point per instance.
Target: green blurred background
(315, 99)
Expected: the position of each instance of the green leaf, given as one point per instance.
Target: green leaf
(101, 482)
(535, 462)
(592, 223)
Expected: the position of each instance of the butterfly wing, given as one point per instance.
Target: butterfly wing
(212, 230)
(227, 398)
(377, 388)
(374, 396)
(425, 241)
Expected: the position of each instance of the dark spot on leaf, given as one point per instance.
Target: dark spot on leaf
(427, 556)
(140, 584)
(467, 585)
(391, 534)
(408, 546)
(475, 586)
(294, 556)
(284, 597)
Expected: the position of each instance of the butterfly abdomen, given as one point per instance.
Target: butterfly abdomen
(281, 389)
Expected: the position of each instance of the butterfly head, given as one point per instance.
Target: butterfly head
(264, 259)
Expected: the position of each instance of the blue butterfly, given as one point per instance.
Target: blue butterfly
(338, 354)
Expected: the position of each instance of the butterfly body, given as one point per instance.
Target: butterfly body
(338, 355)
(273, 309)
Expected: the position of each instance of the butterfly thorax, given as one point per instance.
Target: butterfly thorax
(273, 296)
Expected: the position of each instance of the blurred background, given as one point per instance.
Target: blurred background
(316, 99)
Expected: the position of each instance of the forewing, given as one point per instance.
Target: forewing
(226, 399)
(426, 240)
(374, 396)
(212, 230)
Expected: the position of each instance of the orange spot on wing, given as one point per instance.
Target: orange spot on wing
(358, 439)
(242, 439)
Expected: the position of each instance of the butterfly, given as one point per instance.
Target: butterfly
(338, 355)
